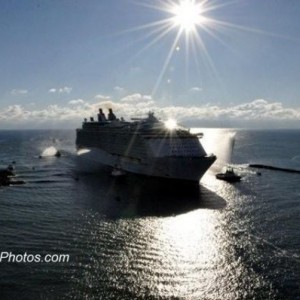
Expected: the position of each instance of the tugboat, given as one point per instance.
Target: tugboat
(229, 175)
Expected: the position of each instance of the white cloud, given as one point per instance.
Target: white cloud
(18, 92)
(119, 89)
(138, 105)
(257, 110)
(102, 97)
(14, 112)
(195, 89)
(61, 90)
(76, 102)
(136, 98)
(65, 89)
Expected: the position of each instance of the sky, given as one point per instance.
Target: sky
(208, 63)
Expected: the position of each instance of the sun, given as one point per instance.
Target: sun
(186, 25)
(187, 15)
(188, 22)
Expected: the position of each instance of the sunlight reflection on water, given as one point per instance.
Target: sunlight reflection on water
(139, 239)
(194, 255)
(188, 253)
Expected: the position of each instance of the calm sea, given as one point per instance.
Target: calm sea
(144, 239)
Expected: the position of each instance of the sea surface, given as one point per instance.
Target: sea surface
(140, 238)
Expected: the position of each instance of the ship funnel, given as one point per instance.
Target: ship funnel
(101, 116)
(111, 115)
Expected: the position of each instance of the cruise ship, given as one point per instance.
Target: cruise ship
(144, 146)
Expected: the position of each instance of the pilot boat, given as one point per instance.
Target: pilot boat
(229, 175)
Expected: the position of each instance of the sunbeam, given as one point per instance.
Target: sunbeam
(167, 61)
(186, 18)
(188, 23)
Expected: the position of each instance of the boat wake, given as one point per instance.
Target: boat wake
(50, 152)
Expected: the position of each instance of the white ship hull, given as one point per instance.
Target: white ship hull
(145, 146)
(179, 168)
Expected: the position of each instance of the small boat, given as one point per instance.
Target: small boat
(6, 178)
(117, 172)
(229, 175)
(57, 154)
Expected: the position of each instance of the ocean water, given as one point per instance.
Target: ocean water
(140, 238)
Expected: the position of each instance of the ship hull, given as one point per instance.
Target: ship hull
(178, 168)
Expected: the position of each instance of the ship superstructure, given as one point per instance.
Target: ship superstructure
(143, 146)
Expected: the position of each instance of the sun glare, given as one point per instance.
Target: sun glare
(189, 21)
(187, 15)
(171, 124)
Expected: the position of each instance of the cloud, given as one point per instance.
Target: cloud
(196, 89)
(261, 109)
(102, 97)
(14, 112)
(18, 92)
(65, 89)
(61, 90)
(136, 98)
(254, 111)
(137, 105)
(76, 102)
(119, 89)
